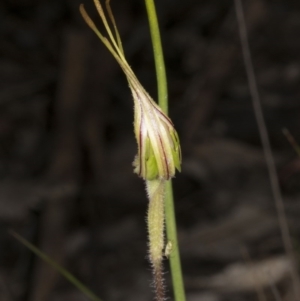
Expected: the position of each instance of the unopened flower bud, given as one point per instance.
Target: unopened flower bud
(159, 152)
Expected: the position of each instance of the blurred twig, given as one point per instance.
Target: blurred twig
(291, 140)
(263, 132)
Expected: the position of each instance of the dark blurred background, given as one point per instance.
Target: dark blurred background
(67, 146)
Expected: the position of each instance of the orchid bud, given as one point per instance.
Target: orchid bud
(159, 153)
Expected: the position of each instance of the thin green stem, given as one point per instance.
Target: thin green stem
(177, 280)
(158, 56)
(175, 264)
(86, 291)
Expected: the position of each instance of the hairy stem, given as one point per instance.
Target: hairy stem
(156, 193)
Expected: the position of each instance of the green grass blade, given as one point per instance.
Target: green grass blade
(86, 291)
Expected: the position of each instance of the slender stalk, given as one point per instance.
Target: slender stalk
(158, 56)
(175, 264)
(177, 280)
(155, 221)
(85, 290)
